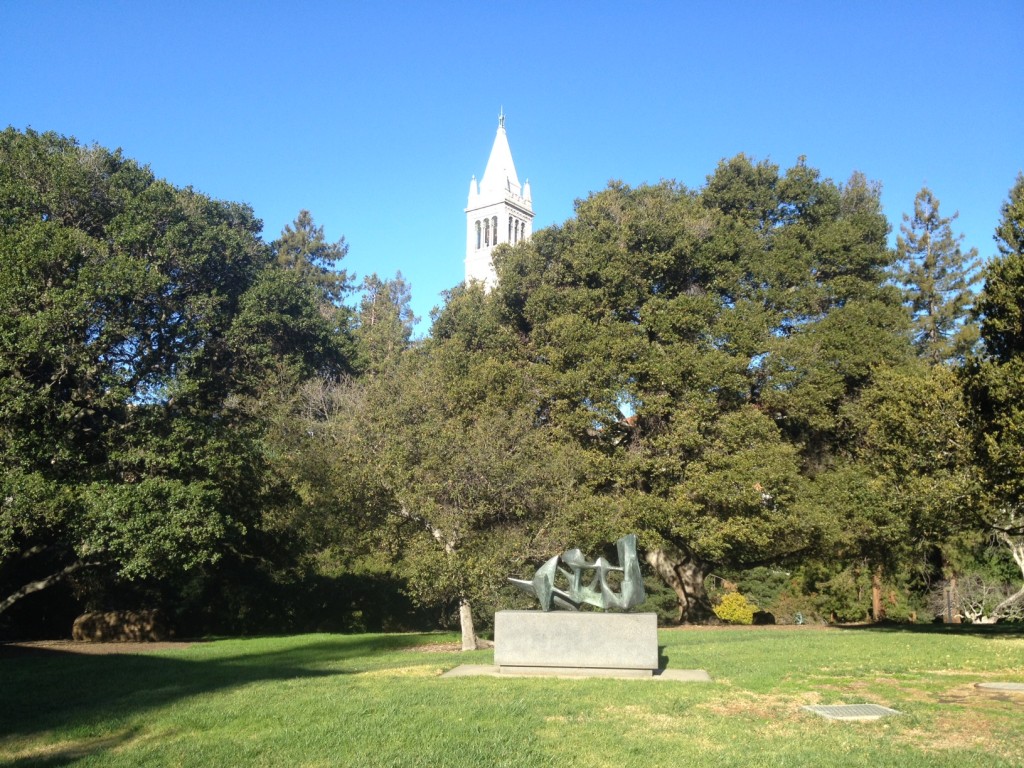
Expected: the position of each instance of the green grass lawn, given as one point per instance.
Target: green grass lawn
(378, 700)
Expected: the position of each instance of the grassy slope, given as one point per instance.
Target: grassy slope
(372, 700)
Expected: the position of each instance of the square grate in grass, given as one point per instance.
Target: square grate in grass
(1015, 687)
(852, 711)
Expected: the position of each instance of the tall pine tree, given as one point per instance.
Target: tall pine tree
(303, 248)
(936, 276)
(384, 321)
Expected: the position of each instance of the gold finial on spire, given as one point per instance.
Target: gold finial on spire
(501, 118)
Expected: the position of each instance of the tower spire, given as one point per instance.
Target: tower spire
(499, 211)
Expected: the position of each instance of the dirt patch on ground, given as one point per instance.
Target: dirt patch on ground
(437, 648)
(75, 646)
(449, 647)
(760, 706)
(965, 731)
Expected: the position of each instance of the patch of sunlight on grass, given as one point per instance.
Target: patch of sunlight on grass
(423, 670)
(65, 750)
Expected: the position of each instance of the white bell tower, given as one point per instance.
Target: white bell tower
(499, 210)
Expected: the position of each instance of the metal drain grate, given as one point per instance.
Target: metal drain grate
(852, 711)
(1018, 687)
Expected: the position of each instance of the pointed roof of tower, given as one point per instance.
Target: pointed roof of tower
(500, 174)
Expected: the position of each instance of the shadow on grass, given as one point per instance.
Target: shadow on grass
(44, 689)
(967, 630)
(662, 657)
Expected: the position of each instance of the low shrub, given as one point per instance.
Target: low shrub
(734, 608)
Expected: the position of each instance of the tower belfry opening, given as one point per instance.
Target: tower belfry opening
(500, 210)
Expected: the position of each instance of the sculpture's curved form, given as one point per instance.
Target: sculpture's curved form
(597, 592)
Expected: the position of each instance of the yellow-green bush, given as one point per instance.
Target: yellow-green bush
(734, 608)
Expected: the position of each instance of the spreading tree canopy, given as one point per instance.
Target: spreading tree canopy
(135, 319)
(700, 345)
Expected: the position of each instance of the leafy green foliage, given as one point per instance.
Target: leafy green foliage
(136, 318)
(456, 446)
(699, 348)
(909, 451)
(998, 375)
(762, 585)
(434, 457)
(842, 591)
(281, 328)
(726, 371)
(995, 385)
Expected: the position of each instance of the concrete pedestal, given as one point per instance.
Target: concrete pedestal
(563, 641)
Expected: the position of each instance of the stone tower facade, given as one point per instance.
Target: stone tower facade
(500, 210)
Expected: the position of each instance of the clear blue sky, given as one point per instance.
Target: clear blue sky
(374, 116)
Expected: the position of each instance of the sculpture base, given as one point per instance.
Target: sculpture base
(660, 675)
(575, 672)
(537, 642)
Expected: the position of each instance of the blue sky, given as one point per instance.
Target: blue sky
(375, 116)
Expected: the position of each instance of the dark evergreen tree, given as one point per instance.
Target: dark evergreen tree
(937, 277)
(303, 248)
(995, 385)
(1001, 306)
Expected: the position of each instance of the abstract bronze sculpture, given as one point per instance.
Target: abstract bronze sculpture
(597, 592)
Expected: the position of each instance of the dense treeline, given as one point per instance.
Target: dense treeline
(746, 375)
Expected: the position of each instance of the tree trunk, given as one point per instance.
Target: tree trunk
(954, 616)
(466, 622)
(877, 609)
(1016, 545)
(685, 574)
(1017, 597)
(36, 586)
(950, 612)
(469, 642)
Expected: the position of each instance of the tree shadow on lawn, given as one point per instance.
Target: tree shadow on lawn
(44, 689)
(990, 631)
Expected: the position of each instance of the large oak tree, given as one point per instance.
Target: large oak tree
(136, 320)
(699, 345)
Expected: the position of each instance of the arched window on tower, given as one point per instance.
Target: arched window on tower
(478, 234)
(487, 231)
(510, 229)
(495, 225)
